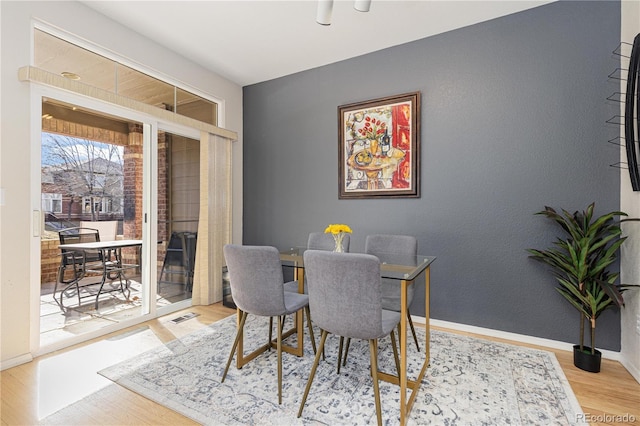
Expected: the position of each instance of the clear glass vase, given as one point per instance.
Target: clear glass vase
(338, 239)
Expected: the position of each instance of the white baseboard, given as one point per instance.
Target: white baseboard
(13, 362)
(632, 369)
(521, 338)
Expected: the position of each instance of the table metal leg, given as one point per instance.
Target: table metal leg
(427, 314)
(403, 352)
(406, 401)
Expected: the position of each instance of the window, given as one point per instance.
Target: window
(100, 205)
(52, 203)
(60, 57)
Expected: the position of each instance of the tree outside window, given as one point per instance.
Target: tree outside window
(85, 172)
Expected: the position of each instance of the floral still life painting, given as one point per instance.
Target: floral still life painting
(379, 148)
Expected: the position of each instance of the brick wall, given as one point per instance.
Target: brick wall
(163, 190)
(49, 260)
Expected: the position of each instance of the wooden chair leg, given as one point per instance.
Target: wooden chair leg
(313, 339)
(340, 353)
(280, 324)
(346, 352)
(373, 348)
(313, 371)
(270, 332)
(413, 330)
(395, 352)
(243, 318)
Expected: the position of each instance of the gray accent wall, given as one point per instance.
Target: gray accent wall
(513, 118)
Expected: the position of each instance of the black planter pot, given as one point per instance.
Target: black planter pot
(586, 361)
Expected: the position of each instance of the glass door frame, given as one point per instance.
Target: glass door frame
(150, 126)
(189, 133)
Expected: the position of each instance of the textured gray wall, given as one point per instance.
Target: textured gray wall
(513, 119)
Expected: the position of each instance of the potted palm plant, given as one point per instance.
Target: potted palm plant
(580, 262)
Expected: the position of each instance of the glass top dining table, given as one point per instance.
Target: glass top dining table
(405, 269)
(392, 265)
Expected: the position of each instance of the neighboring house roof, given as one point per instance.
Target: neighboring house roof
(101, 166)
(96, 177)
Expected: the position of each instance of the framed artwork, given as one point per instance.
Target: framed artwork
(379, 148)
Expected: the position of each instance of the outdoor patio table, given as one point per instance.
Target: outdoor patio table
(111, 268)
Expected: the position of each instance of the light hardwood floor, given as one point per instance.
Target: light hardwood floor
(63, 388)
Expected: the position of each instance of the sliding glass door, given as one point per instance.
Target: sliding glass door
(178, 198)
(131, 178)
(91, 180)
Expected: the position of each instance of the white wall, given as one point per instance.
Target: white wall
(15, 139)
(630, 203)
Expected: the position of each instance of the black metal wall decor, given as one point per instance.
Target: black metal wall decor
(631, 123)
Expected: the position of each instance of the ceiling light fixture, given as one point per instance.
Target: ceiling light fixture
(325, 7)
(70, 75)
(362, 5)
(323, 15)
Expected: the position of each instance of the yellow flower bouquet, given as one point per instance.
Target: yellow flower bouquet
(338, 230)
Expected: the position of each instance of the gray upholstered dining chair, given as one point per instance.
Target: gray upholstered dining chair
(256, 282)
(383, 245)
(380, 244)
(345, 294)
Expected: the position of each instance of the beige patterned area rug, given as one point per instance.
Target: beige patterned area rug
(470, 382)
